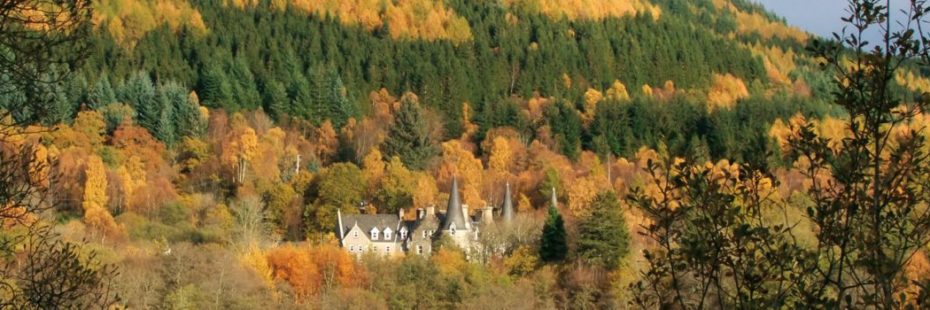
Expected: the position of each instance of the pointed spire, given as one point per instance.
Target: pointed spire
(454, 213)
(555, 200)
(507, 212)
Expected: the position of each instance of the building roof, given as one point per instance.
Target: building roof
(368, 221)
(454, 213)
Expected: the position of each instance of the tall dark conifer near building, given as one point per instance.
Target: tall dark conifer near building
(410, 137)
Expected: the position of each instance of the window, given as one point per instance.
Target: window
(419, 249)
(351, 248)
(387, 249)
(403, 234)
(452, 228)
(424, 234)
(387, 233)
(355, 234)
(374, 233)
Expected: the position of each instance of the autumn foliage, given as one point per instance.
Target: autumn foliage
(129, 20)
(309, 269)
(588, 9)
(427, 20)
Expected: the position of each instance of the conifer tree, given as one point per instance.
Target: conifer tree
(553, 244)
(215, 88)
(409, 138)
(102, 94)
(340, 108)
(603, 238)
(139, 93)
(275, 98)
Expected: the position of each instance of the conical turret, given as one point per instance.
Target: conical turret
(454, 213)
(507, 213)
(555, 200)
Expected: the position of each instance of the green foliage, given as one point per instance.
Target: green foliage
(603, 236)
(409, 137)
(102, 94)
(139, 93)
(215, 88)
(553, 245)
(566, 128)
(339, 187)
(397, 189)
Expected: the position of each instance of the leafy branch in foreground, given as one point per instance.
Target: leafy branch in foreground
(715, 247)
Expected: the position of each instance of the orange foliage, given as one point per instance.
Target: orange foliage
(588, 9)
(449, 262)
(95, 199)
(373, 168)
(591, 98)
(726, 91)
(129, 20)
(618, 92)
(406, 19)
(461, 163)
(426, 192)
(755, 23)
(327, 141)
(307, 270)
(913, 82)
(426, 19)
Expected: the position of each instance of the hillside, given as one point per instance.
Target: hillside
(209, 149)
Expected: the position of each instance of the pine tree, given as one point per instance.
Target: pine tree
(409, 138)
(301, 97)
(553, 245)
(60, 108)
(102, 94)
(165, 129)
(216, 89)
(340, 108)
(190, 122)
(244, 92)
(275, 99)
(139, 93)
(603, 238)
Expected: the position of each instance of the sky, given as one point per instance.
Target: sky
(820, 17)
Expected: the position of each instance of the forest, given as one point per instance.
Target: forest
(194, 154)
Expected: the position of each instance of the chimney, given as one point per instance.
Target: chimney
(400, 213)
(487, 215)
(431, 210)
(420, 213)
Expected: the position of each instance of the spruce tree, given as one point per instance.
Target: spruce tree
(216, 89)
(275, 99)
(603, 238)
(139, 93)
(553, 244)
(162, 120)
(337, 99)
(102, 94)
(409, 138)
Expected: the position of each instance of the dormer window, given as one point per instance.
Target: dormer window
(374, 233)
(387, 233)
(452, 228)
(424, 234)
(403, 233)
